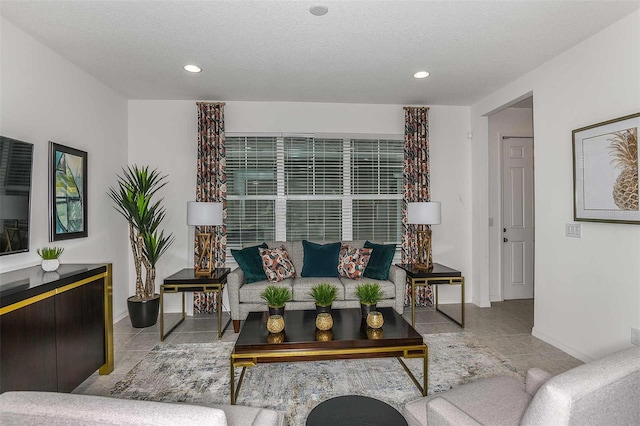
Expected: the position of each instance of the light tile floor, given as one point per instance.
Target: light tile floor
(505, 327)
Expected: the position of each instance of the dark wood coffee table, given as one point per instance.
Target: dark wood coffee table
(349, 340)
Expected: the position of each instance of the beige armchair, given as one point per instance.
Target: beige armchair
(603, 392)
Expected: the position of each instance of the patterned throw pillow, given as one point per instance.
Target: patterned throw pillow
(353, 261)
(276, 264)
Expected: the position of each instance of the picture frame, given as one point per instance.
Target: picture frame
(605, 171)
(68, 212)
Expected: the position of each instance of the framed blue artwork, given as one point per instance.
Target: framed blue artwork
(67, 193)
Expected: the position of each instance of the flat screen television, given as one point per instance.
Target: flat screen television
(16, 164)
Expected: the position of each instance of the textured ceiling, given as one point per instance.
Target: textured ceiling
(360, 52)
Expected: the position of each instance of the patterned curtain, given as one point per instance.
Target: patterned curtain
(211, 186)
(415, 188)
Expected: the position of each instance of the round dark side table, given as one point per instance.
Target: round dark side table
(352, 410)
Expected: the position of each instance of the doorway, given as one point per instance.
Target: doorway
(517, 218)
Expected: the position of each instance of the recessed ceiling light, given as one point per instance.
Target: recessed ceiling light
(318, 10)
(192, 68)
(421, 74)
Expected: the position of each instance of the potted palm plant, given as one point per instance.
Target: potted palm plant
(276, 298)
(324, 294)
(133, 198)
(369, 295)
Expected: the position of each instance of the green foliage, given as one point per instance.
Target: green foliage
(276, 296)
(134, 200)
(369, 294)
(155, 245)
(48, 253)
(324, 294)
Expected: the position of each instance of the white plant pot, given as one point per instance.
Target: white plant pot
(50, 264)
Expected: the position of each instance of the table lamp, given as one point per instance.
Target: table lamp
(424, 213)
(204, 214)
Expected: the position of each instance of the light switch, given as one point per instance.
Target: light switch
(573, 230)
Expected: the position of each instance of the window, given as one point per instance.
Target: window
(304, 187)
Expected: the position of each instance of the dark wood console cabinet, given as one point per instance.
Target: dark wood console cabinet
(56, 328)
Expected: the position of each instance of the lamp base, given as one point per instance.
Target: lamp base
(206, 252)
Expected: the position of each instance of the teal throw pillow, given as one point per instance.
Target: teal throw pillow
(320, 260)
(380, 260)
(250, 262)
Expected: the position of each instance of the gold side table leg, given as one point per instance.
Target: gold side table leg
(462, 300)
(219, 299)
(425, 371)
(161, 314)
(413, 303)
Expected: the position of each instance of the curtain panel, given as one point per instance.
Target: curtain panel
(415, 189)
(211, 186)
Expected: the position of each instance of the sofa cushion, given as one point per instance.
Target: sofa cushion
(380, 261)
(320, 260)
(276, 263)
(251, 293)
(302, 287)
(388, 288)
(250, 262)
(353, 261)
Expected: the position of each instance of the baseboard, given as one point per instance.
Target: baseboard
(553, 342)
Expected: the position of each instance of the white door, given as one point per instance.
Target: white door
(517, 218)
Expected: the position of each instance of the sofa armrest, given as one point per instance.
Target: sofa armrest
(441, 412)
(399, 278)
(535, 378)
(53, 408)
(235, 280)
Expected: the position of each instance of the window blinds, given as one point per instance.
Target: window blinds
(302, 187)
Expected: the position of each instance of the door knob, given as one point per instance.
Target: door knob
(504, 229)
(506, 240)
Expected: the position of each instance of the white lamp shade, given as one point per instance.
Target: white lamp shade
(424, 213)
(199, 214)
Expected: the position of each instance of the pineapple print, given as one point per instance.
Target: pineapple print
(624, 149)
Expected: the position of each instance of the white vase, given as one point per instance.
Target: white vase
(50, 264)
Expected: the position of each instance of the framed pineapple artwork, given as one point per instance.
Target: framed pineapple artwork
(605, 171)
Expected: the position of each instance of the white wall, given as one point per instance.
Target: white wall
(46, 98)
(508, 122)
(163, 134)
(587, 290)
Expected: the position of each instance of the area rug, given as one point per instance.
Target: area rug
(199, 373)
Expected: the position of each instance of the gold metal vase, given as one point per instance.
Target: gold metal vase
(275, 323)
(375, 319)
(324, 321)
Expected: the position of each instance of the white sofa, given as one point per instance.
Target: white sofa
(604, 392)
(245, 298)
(51, 408)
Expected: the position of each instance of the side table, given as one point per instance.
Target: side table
(186, 281)
(439, 275)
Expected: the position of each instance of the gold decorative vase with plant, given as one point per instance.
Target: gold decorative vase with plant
(50, 258)
(134, 198)
(276, 298)
(369, 294)
(324, 294)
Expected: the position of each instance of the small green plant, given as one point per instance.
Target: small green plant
(369, 294)
(324, 294)
(276, 296)
(48, 253)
